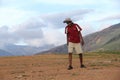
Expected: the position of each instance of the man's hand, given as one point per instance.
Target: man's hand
(82, 42)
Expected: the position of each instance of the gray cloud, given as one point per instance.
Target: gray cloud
(30, 34)
(112, 17)
(22, 32)
(56, 20)
(6, 36)
(30, 29)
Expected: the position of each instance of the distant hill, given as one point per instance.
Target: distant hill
(104, 40)
(19, 50)
(5, 53)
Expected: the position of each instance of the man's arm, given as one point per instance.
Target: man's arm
(81, 39)
(66, 32)
(67, 38)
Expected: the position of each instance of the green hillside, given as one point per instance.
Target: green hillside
(105, 40)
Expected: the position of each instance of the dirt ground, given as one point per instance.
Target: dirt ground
(54, 67)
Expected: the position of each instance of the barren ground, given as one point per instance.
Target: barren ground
(99, 66)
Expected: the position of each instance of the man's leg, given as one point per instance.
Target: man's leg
(70, 61)
(81, 60)
(70, 50)
(78, 48)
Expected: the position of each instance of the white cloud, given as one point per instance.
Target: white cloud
(59, 1)
(54, 36)
(72, 2)
(24, 24)
(111, 17)
(44, 28)
(13, 16)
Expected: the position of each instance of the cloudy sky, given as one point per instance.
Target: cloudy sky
(40, 22)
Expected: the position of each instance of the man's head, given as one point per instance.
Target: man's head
(67, 20)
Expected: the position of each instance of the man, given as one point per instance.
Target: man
(74, 41)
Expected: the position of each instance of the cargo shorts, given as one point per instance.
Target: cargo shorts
(77, 47)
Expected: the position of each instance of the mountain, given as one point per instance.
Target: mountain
(104, 40)
(59, 49)
(5, 53)
(18, 50)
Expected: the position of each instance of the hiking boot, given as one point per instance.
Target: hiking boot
(82, 66)
(70, 67)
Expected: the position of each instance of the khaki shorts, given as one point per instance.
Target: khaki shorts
(77, 47)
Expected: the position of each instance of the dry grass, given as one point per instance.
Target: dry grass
(54, 67)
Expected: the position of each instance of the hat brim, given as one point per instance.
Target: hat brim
(66, 21)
